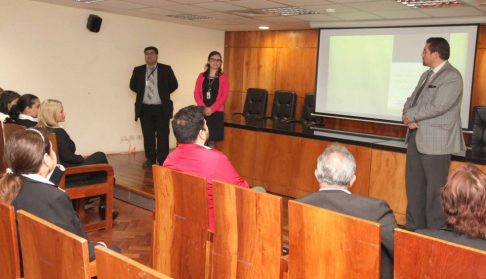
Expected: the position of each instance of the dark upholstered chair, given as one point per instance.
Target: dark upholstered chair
(478, 138)
(308, 108)
(284, 105)
(255, 103)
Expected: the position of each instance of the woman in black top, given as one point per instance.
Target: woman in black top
(26, 111)
(51, 113)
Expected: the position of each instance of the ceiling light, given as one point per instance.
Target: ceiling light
(88, 1)
(190, 17)
(431, 3)
(264, 27)
(290, 11)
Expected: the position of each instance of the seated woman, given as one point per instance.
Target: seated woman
(26, 110)
(51, 113)
(464, 202)
(30, 161)
(7, 100)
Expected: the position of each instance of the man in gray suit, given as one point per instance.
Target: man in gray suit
(433, 117)
(335, 174)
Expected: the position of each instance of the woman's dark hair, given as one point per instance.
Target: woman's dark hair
(208, 68)
(25, 101)
(5, 98)
(24, 152)
(464, 201)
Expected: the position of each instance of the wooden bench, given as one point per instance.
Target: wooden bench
(9, 246)
(327, 244)
(51, 252)
(247, 233)
(420, 256)
(115, 265)
(180, 232)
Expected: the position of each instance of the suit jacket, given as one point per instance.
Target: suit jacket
(25, 122)
(166, 84)
(449, 235)
(66, 149)
(51, 204)
(438, 113)
(207, 162)
(367, 208)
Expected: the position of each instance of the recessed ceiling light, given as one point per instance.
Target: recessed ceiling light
(264, 27)
(88, 1)
(190, 17)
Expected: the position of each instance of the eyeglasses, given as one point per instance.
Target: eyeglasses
(214, 60)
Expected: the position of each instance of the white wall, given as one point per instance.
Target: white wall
(46, 50)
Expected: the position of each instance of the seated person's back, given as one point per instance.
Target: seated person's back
(336, 174)
(463, 200)
(191, 156)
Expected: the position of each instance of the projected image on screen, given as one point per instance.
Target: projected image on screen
(370, 73)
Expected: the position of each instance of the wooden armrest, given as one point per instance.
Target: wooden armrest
(92, 269)
(284, 263)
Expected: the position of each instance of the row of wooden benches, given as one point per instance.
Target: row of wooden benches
(246, 241)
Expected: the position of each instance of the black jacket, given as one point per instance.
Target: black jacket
(166, 84)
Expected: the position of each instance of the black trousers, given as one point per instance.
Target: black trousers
(155, 130)
(424, 176)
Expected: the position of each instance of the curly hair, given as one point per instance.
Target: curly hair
(464, 201)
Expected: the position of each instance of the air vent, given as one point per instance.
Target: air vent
(190, 17)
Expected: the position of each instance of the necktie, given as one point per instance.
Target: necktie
(151, 82)
(422, 87)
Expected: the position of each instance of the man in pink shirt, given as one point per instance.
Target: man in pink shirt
(192, 156)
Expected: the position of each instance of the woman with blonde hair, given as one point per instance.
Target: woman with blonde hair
(463, 200)
(51, 113)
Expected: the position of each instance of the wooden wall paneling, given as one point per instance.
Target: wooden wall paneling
(233, 103)
(298, 38)
(234, 39)
(478, 97)
(366, 127)
(387, 180)
(309, 64)
(289, 72)
(275, 158)
(261, 39)
(234, 58)
(298, 108)
(259, 68)
(242, 154)
(482, 37)
(270, 103)
(362, 155)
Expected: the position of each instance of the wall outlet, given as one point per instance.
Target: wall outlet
(139, 137)
(131, 137)
(123, 138)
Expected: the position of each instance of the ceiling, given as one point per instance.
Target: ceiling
(348, 13)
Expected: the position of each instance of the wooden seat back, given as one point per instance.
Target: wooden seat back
(420, 256)
(247, 233)
(327, 244)
(181, 223)
(11, 128)
(51, 252)
(9, 246)
(117, 265)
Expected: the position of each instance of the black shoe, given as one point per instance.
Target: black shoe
(148, 164)
(102, 211)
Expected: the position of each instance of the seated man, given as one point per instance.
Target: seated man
(193, 157)
(335, 173)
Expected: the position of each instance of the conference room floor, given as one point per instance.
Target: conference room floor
(132, 229)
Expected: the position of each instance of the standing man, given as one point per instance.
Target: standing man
(153, 83)
(433, 117)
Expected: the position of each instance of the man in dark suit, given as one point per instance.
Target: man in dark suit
(433, 116)
(153, 83)
(335, 173)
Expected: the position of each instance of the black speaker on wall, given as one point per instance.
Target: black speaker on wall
(94, 23)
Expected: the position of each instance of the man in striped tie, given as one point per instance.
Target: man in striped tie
(153, 83)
